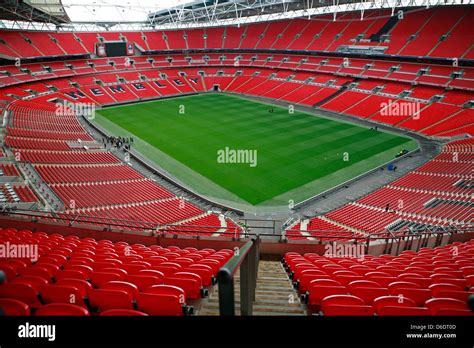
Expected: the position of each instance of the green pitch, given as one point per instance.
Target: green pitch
(286, 156)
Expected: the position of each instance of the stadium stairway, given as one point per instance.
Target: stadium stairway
(385, 29)
(343, 88)
(274, 294)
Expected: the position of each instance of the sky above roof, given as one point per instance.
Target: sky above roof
(116, 10)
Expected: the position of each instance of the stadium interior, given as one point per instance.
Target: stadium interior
(265, 158)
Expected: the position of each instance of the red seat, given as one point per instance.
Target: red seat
(344, 272)
(363, 284)
(50, 267)
(299, 268)
(132, 268)
(9, 270)
(81, 285)
(160, 304)
(437, 287)
(461, 283)
(171, 256)
(74, 274)
(129, 288)
(392, 301)
(118, 271)
(144, 281)
(167, 269)
(214, 264)
(123, 313)
(436, 304)
(157, 260)
(455, 312)
(332, 268)
(151, 272)
(85, 270)
(422, 282)
(191, 283)
(393, 271)
(22, 292)
(317, 293)
(439, 276)
(383, 281)
(61, 309)
(346, 279)
(12, 307)
(109, 299)
(307, 277)
(204, 271)
(99, 265)
(183, 261)
(361, 269)
(324, 282)
(35, 281)
(369, 294)
(467, 270)
(98, 278)
(54, 259)
(402, 285)
(340, 300)
(61, 294)
(81, 261)
(403, 311)
(37, 271)
(418, 295)
(167, 290)
(348, 310)
(456, 294)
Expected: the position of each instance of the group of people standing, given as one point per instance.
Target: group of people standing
(118, 142)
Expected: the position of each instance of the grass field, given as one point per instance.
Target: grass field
(297, 155)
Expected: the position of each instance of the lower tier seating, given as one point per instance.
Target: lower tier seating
(438, 193)
(428, 282)
(73, 276)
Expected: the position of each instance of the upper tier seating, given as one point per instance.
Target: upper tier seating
(444, 32)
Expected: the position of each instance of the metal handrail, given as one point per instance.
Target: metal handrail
(246, 259)
(114, 222)
(108, 223)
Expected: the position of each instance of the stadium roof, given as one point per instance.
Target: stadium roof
(168, 14)
(113, 11)
(49, 11)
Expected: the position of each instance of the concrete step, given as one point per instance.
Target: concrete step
(274, 294)
(275, 288)
(294, 308)
(262, 296)
(281, 301)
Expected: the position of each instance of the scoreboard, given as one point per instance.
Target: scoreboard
(114, 49)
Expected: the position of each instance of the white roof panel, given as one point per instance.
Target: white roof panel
(94, 11)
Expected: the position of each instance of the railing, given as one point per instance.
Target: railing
(389, 237)
(247, 258)
(118, 225)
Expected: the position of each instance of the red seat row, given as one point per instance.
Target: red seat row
(428, 282)
(100, 275)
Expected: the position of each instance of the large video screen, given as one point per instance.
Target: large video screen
(115, 49)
